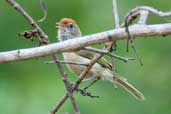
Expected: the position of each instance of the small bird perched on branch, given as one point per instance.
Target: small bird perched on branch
(68, 29)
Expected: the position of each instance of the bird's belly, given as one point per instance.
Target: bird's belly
(77, 69)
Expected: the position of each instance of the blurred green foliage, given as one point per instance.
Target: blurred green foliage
(31, 87)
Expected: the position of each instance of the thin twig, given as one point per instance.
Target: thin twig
(66, 62)
(108, 53)
(115, 13)
(44, 9)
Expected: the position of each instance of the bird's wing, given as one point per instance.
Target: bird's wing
(88, 54)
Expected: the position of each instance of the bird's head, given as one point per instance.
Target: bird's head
(67, 29)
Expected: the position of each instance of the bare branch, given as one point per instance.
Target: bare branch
(137, 31)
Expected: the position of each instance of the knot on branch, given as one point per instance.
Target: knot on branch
(31, 34)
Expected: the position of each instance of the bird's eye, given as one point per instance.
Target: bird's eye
(70, 25)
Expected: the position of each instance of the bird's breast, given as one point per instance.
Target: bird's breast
(77, 69)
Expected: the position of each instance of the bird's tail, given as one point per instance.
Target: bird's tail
(128, 87)
(117, 79)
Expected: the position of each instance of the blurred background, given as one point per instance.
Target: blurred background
(32, 87)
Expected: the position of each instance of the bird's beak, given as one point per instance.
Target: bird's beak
(57, 25)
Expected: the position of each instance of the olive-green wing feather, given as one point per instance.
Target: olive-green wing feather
(88, 54)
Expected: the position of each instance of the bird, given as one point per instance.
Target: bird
(68, 29)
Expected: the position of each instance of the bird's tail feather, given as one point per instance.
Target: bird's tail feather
(121, 81)
(128, 87)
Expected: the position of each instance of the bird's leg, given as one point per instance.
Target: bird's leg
(93, 82)
(84, 91)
